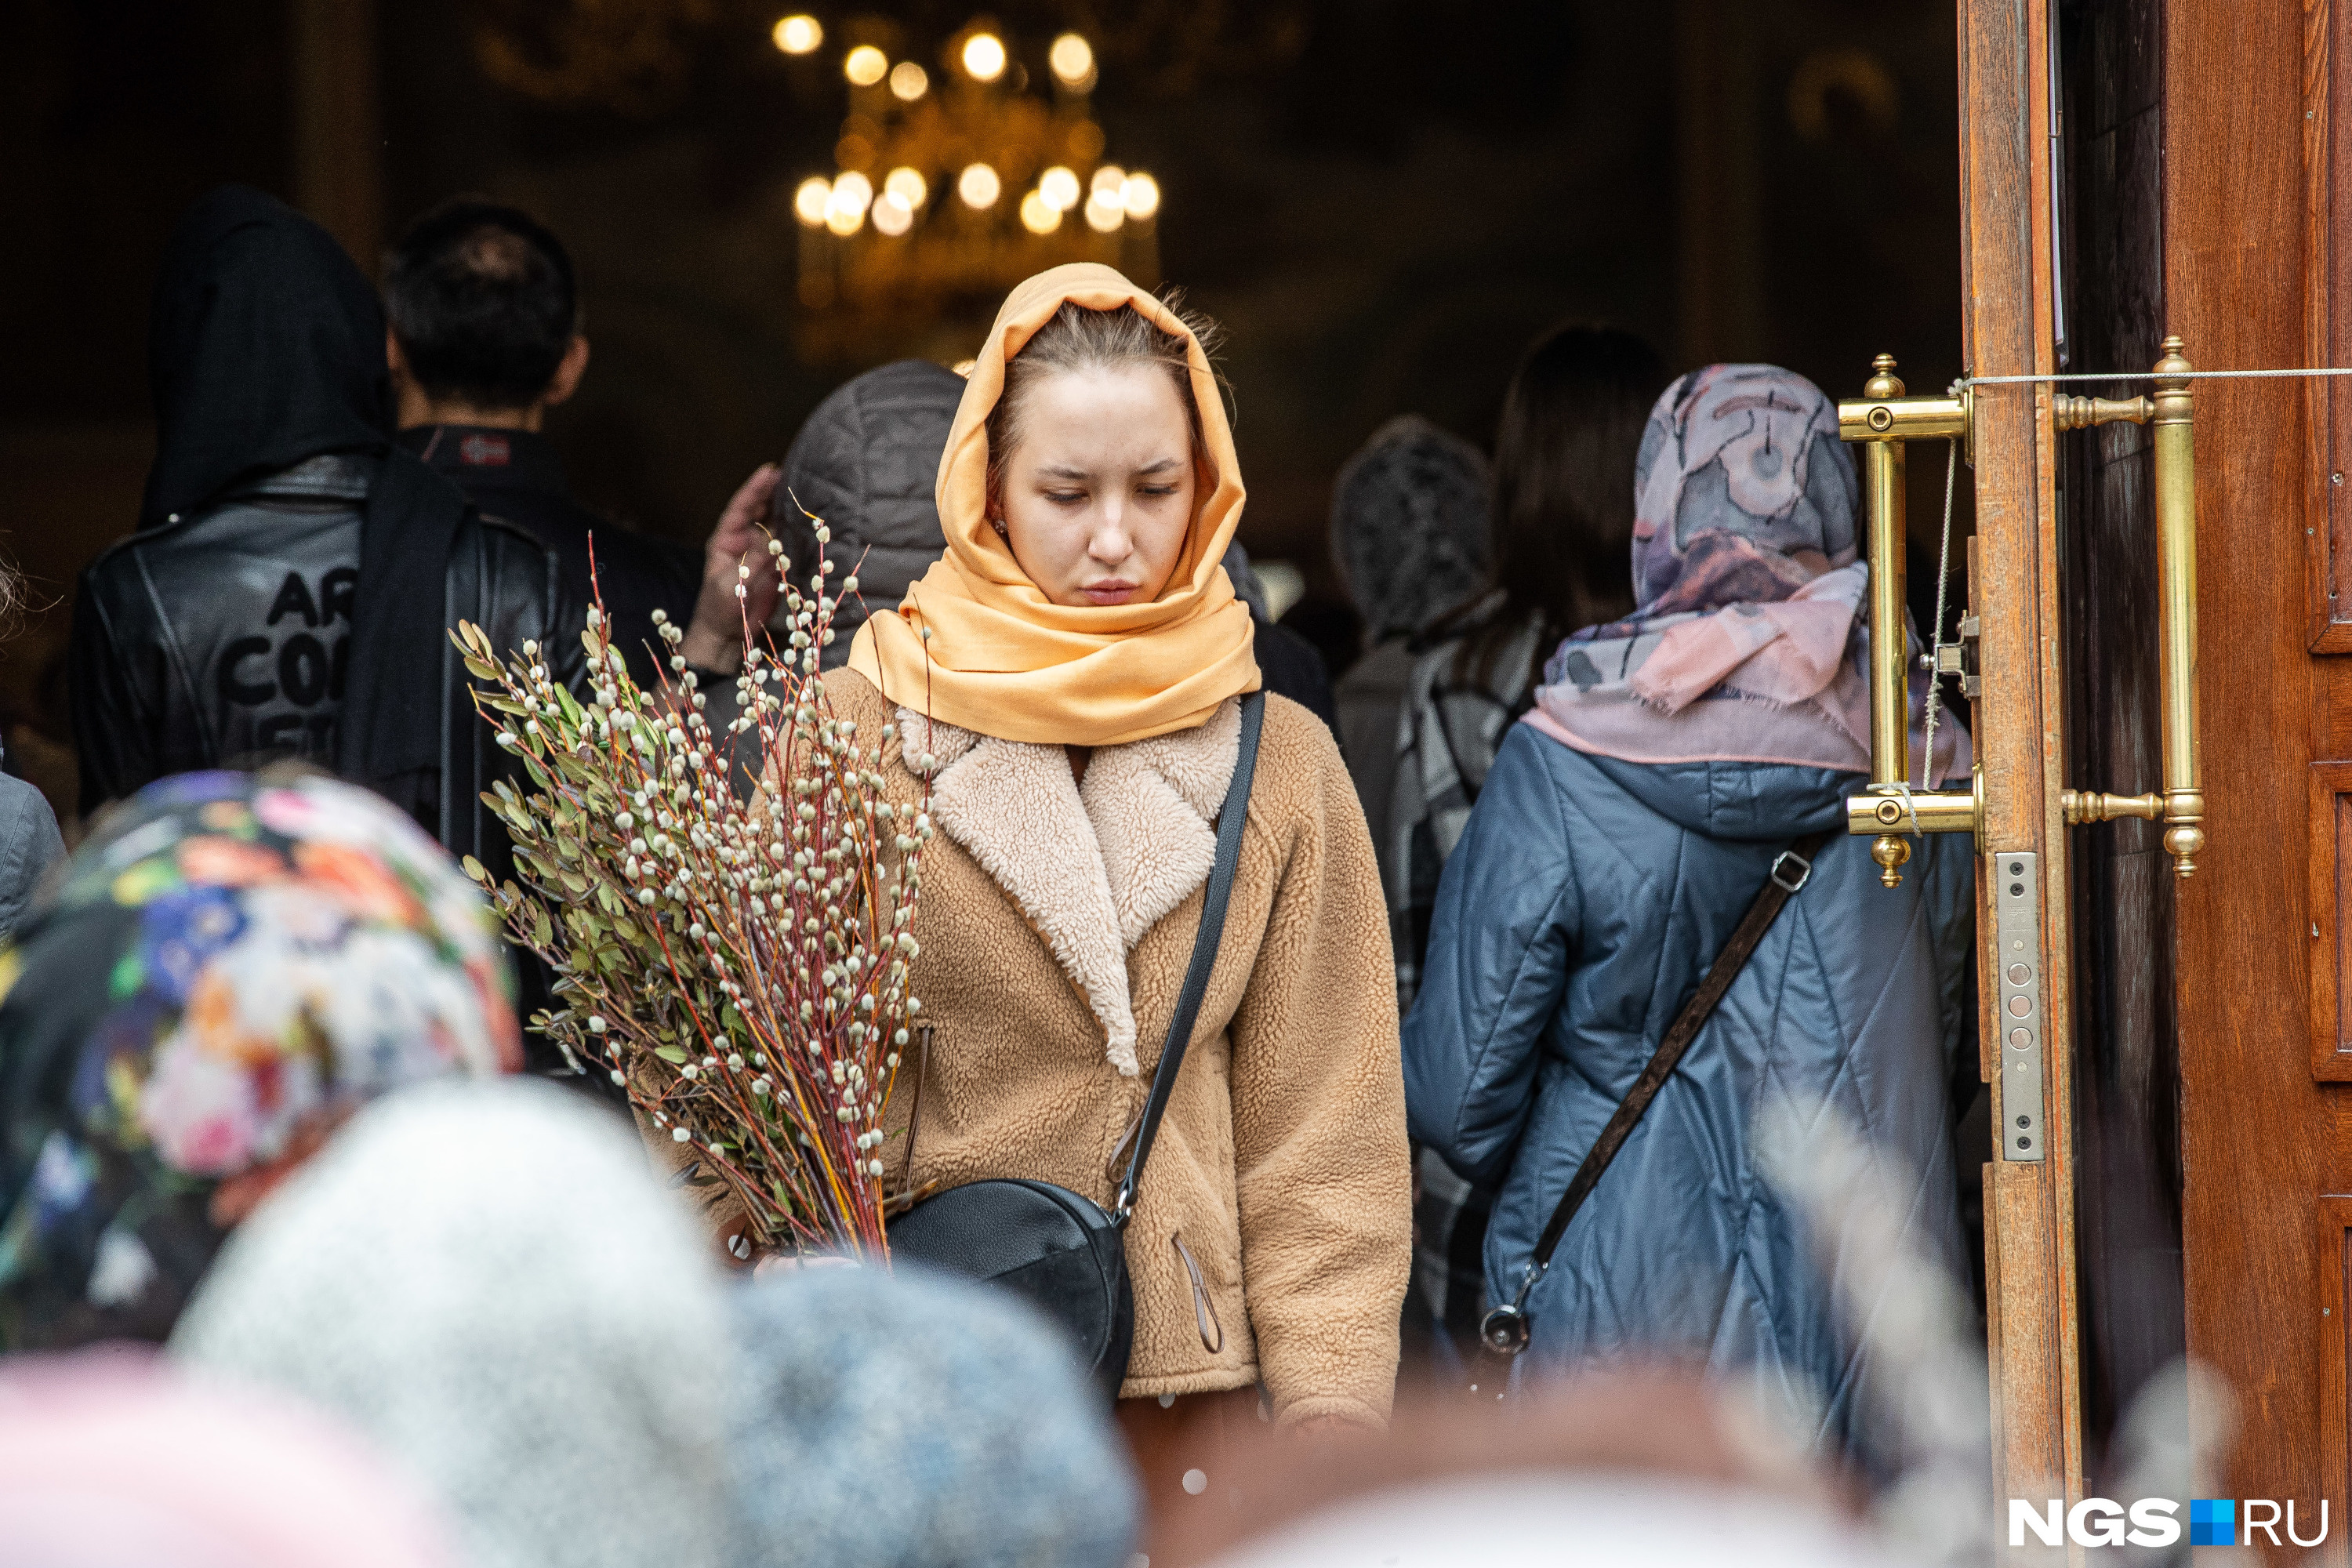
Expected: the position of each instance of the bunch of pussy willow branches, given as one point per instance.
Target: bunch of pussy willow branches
(738, 970)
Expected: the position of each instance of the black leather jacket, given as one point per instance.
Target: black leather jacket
(220, 640)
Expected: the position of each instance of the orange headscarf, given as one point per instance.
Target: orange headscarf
(1004, 659)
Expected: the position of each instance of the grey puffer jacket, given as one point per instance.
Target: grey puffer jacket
(867, 462)
(1585, 900)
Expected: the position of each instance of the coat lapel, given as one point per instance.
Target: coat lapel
(1092, 870)
(1150, 803)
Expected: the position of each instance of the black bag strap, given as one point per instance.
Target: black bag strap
(1504, 1330)
(1231, 817)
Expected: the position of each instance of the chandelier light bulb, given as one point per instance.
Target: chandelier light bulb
(906, 186)
(1104, 214)
(891, 215)
(1140, 195)
(812, 200)
(1039, 215)
(908, 82)
(797, 34)
(978, 185)
(1059, 187)
(1072, 59)
(852, 194)
(984, 57)
(1106, 182)
(866, 65)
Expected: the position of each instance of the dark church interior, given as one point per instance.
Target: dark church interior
(1382, 203)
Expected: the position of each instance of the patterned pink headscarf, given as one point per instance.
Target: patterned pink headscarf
(1749, 644)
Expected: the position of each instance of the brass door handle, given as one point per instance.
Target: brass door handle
(2182, 806)
(2176, 570)
(1881, 422)
(2081, 806)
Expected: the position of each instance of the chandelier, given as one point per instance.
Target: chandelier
(961, 175)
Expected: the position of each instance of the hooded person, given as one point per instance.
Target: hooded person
(1409, 532)
(1065, 682)
(294, 576)
(1627, 824)
(903, 1419)
(866, 463)
(111, 1460)
(484, 1282)
(223, 973)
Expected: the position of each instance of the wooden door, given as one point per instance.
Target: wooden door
(2179, 167)
(2254, 110)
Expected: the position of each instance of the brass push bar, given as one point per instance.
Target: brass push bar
(1881, 422)
(2176, 571)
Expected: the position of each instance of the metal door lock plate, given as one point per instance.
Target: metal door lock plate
(2016, 932)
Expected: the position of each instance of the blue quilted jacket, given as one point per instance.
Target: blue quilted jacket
(1586, 899)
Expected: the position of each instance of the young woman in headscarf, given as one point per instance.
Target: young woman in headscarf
(221, 975)
(1627, 824)
(1068, 678)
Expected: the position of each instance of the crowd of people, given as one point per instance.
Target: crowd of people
(298, 1264)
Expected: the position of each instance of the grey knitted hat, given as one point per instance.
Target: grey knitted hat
(1409, 525)
(902, 1419)
(485, 1281)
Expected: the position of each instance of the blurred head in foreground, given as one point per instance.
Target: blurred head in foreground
(906, 1420)
(226, 970)
(1622, 1469)
(485, 1281)
(112, 1459)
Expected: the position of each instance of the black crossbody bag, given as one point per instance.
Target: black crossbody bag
(1503, 1334)
(1060, 1249)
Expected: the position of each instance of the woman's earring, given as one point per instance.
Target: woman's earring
(998, 524)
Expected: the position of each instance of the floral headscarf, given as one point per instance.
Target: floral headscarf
(1746, 644)
(221, 975)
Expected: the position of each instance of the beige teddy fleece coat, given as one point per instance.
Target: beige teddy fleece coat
(1054, 925)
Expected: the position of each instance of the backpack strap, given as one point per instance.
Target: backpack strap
(1504, 1330)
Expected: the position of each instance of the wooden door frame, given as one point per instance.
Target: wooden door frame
(2005, 247)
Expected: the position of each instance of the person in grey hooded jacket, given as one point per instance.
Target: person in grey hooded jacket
(1628, 823)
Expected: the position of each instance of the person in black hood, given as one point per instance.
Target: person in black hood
(486, 337)
(294, 575)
